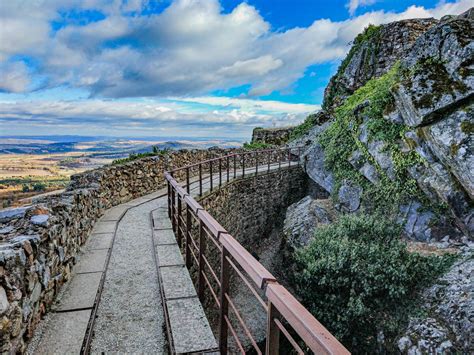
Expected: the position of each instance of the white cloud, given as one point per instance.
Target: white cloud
(230, 117)
(191, 48)
(254, 105)
(353, 5)
(14, 77)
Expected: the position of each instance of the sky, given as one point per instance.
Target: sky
(189, 68)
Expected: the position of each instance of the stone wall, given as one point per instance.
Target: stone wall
(274, 136)
(39, 243)
(249, 207)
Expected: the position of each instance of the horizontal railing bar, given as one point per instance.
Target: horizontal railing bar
(230, 156)
(234, 334)
(214, 295)
(242, 323)
(249, 264)
(288, 336)
(211, 270)
(244, 279)
(313, 333)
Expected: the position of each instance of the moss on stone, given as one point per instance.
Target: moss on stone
(341, 139)
(467, 127)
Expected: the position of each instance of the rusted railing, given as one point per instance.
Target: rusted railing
(214, 255)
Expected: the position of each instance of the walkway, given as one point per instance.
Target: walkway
(130, 314)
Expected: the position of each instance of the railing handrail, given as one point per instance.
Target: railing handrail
(202, 162)
(280, 301)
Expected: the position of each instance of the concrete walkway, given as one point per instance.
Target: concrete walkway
(127, 314)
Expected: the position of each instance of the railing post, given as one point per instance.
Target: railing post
(228, 168)
(289, 156)
(210, 173)
(235, 166)
(220, 172)
(178, 215)
(299, 156)
(189, 229)
(202, 248)
(224, 304)
(173, 209)
(169, 200)
(273, 332)
(243, 164)
(187, 180)
(200, 179)
(279, 160)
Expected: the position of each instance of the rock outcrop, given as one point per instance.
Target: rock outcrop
(374, 52)
(272, 136)
(432, 103)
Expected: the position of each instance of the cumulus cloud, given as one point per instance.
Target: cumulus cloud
(191, 48)
(353, 5)
(228, 117)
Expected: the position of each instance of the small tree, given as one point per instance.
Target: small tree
(356, 275)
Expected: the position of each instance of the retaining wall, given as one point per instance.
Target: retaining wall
(248, 208)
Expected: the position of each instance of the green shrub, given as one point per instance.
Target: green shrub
(39, 186)
(357, 277)
(25, 188)
(256, 145)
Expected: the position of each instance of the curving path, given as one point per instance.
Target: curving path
(113, 302)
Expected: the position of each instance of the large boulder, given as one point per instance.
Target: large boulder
(303, 217)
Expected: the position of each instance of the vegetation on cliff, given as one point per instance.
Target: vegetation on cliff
(358, 278)
(367, 106)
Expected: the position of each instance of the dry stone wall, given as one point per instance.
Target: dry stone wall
(249, 207)
(39, 243)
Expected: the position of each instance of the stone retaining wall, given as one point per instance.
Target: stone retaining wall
(249, 207)
(39, 243)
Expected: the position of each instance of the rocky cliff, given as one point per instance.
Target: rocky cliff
(402, 126)
(397, 142)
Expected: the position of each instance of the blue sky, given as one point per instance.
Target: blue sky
(177, 68)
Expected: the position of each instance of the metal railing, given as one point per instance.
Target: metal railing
(214, 255)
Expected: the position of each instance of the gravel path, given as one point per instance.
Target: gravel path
(130, 314)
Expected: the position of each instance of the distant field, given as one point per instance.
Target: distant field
(29, 167)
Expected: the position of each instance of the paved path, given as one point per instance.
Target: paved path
(130, 315)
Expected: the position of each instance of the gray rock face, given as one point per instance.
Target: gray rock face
(416, 221)
(303, 217)
(451, 140)
(315, 168)
(450, 305)
(374, 57)
(441, 72)
(349, 197)
(359, 162)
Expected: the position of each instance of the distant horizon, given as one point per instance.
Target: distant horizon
(84, 138)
